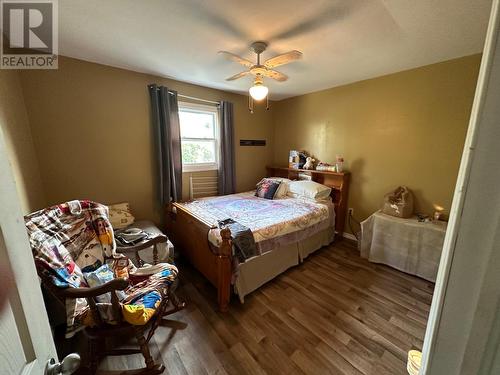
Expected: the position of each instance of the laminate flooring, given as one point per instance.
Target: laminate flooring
(336, 313)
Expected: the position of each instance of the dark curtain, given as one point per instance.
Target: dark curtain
(165, 121)
(227, 170)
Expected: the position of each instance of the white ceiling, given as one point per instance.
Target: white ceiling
(342, 41)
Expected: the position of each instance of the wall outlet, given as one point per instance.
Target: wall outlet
(350, 211)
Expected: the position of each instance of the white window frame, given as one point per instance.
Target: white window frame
(198, 167)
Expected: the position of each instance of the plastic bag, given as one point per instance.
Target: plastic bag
(398, 202)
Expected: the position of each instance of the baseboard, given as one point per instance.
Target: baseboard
(349, 236)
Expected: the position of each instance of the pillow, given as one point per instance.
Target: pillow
(283, 189)
(308, 189)
(267, 188)
(120, 215)
(317, 200)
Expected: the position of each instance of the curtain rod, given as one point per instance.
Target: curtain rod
(198, 99)
(193, 98)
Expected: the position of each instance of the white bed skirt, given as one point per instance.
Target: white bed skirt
(257, 271)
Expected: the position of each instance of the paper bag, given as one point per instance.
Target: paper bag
(399, 202)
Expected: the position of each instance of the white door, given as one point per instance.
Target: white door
(25, 337)
(463, 333)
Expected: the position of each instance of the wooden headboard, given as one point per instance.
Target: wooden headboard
(339, 182)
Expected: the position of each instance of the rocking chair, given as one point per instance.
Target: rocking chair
(59, 270)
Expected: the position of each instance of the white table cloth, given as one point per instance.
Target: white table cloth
(165, 249)
(405, 244)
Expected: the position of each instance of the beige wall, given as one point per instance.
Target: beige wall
(18, 142)
(92, 133)
(91, 130)
(405, 128)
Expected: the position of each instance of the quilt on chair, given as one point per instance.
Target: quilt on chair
(75, 239)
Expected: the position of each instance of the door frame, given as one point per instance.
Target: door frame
(26, 297)
(463, 331)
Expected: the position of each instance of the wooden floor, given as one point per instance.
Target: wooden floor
(334, 314)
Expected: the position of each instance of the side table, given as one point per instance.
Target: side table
(406, 244)
(153, 249)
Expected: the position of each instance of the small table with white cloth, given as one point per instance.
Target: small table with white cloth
(156, 248)
(406, 244)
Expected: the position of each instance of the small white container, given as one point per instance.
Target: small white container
(339, 163)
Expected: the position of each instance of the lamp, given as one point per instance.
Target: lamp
(258, 91)
(439, 212)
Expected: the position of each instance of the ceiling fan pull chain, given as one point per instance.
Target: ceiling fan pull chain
(250, 104)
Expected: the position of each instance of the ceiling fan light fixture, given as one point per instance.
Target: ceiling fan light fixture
(258, 91)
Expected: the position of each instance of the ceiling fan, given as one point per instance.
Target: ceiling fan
(258, 91)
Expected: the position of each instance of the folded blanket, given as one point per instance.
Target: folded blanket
(244, 246)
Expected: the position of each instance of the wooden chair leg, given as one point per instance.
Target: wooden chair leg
(176, 302)
(93, 351)
(178, 305)
(139, 334)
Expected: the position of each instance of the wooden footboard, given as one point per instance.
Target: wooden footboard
(189, 234)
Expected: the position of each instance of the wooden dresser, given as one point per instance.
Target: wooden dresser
(339, 182)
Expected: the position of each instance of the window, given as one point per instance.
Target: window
(199, 133)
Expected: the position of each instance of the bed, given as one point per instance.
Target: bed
(285, 230)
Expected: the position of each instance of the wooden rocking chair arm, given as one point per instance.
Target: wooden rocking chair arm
(115, 284)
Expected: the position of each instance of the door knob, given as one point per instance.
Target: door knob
(67, 366)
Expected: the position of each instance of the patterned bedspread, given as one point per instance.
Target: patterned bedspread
(271, 221)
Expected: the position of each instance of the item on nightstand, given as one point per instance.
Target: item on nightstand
(398, 202)
(304, 176)
(326, 167)
(309, 163)
(297, 159)
(438, 213)
(339, 164)
(422, 218)
(130, 236)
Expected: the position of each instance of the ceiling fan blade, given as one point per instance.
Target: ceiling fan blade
(232, 57)
(274, 74)
(283, 59)
(239, 75)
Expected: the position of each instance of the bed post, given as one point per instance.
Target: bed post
(224, 270)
